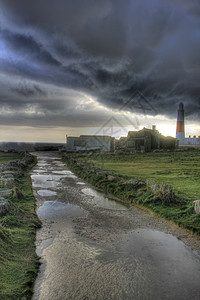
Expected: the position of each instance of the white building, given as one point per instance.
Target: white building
(192, 140)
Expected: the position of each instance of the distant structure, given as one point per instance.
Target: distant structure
(180, 129)
(86, 143)
(180, 125)
(145, 140)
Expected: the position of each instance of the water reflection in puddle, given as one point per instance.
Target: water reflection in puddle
(44, 158)
(63, 172)
(46, 185)
(46, 193)
(161, 266)
(55, 210)
(165, 251)
(157, 243)
(43, 165)
(46, 181)
(40, 171)
(100, 200)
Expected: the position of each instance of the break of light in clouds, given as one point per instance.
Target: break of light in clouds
(68, 67)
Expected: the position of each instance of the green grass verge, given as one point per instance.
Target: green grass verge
(179, 169)
(19, 263)
(5, 157)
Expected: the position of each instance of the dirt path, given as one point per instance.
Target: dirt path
(95, 248)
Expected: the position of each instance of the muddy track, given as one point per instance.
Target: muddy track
(95, 248)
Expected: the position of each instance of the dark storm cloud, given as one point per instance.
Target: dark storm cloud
(26, 45)
(112, 50)
(28, 91)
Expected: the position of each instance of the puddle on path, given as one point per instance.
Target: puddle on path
(63, 172)
(40, 171)
(100, 200)
(53, 210)
(44, 158)
(166, 253)
(46, 185)
(159, 265)
(81, 183)
(59, 164)
(47, 180)
(45, 177)
(43, 164)
(46, 193)
(158, 244)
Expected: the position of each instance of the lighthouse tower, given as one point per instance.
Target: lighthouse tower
(180, 127)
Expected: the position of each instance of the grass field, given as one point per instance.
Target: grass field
(18, 261)
(180, 169)
(5, 157)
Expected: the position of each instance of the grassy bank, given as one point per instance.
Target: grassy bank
(179, 169)
(18, 261)
(5, 157)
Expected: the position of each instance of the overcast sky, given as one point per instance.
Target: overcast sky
(74, 66)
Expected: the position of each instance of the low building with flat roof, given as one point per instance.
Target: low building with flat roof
(90, 143)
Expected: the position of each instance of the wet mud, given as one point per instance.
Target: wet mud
(92, 247)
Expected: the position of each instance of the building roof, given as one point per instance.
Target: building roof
(96, 136)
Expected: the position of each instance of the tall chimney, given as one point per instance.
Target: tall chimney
(180, 127)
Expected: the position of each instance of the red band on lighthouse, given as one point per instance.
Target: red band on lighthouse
(180, 126)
